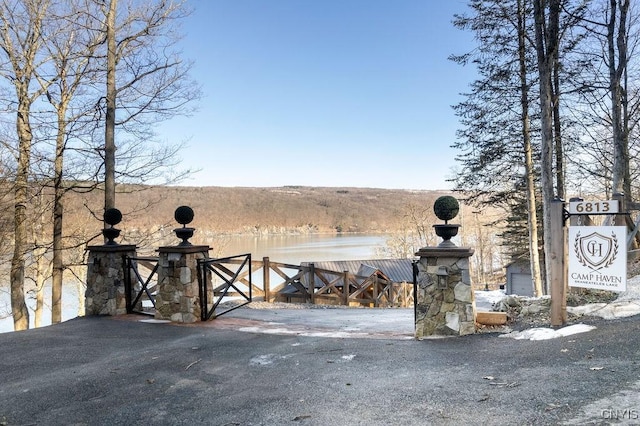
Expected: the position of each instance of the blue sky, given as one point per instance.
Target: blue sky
(323, 93)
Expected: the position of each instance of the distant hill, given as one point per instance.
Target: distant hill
(261, 210)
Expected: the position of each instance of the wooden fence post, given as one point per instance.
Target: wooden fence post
(345, 288)
(557, 268)
(266, 277)
(312, 283)
(375, 291)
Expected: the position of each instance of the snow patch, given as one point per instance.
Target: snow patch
(615, 309)
(543, 333)
(486, 299)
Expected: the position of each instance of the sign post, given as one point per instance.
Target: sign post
(557, 267)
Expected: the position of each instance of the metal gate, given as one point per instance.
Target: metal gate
(141, 287)
(225, 284)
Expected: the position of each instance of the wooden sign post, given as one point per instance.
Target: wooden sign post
(557, 268)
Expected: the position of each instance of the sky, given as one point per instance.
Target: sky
(336, 93)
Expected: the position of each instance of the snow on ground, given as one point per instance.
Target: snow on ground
(486, 299)
(626, 305)
(543, 333)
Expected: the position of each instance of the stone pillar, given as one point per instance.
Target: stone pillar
(445, 302)
(178, 297)
(106, 289)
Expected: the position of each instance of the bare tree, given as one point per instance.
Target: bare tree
(617, 55)
(71, 42)
(110, 106)
(21, 45)
(146, 79)
(59, 51)
(416, 232)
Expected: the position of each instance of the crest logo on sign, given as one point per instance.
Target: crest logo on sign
(596, 251)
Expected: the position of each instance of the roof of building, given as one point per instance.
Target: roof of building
(396, 270)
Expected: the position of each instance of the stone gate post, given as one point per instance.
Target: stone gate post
(179, 296)
(105, 294)
(106, 287)
(444, 300)
(445, 303)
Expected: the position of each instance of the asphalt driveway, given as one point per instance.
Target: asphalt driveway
(112, 371)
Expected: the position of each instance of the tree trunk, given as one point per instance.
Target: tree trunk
(41, 263)
(110, 121)
(546, 35)
(617, 67)
(557, 128)
(22, 56)
(18, 305)
(58, 211)
(532, 211)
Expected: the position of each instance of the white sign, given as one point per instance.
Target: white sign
(598, 257)
(594, 207)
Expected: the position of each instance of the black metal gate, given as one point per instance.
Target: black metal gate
(225, 284)
(141, 292)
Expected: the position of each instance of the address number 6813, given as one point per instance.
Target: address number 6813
(594, 207)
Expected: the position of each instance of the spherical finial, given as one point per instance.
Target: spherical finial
(183, 215)
(446, 208)
(112, 216)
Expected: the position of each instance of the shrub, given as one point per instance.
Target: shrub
(446, 208)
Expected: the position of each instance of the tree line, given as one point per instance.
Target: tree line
(552, 113)
(77, 76)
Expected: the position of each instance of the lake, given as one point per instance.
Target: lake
(306, 248)
(292, 249)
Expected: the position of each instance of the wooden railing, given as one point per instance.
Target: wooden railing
(306, 283)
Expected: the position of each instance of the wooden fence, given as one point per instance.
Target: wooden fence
(306, 283)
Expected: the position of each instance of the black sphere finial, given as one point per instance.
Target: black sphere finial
(183, 215)
(111, 217)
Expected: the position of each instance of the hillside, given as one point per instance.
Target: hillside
(259, 210)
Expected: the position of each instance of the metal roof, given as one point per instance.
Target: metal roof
(398, 270)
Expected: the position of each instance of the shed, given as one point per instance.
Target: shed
(519, 279)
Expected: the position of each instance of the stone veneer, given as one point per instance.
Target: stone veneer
(444, 311)
(178, 297)
(105, 294)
